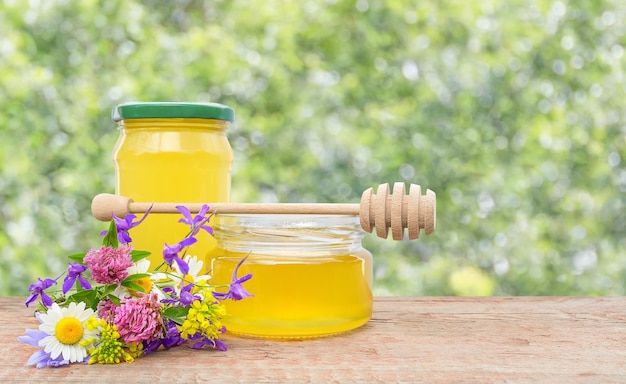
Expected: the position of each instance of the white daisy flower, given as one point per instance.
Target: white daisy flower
(66, 330)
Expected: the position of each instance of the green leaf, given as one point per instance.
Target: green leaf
(175, 313)
(139, 255)
(110, 239)
(136, 276)
(78, 257)
(133, 286)
(108, 289)
(87, 296)
(114, 299)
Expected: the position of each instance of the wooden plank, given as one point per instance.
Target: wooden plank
(426, 339)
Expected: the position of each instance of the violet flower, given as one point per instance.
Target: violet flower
(38, 289)
(195, 223)
(152, 346)
(213, 343)
(172, 336)
(186, 298)
(170, 254)
(236, 291)
(124, 225)
(172, 339)
(171, 293)
(41, 358)
(75, 271)
(220, 345)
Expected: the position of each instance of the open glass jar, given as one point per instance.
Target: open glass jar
(311, 275)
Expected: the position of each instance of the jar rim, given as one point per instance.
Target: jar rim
(284, 233)
(297, 221)
(172, 109)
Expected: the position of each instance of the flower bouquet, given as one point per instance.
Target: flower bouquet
(112, 309)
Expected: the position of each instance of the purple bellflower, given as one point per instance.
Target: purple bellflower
(172, 339)
(75, 271)
(170, 254)
(195, 223)
(236, 291)
(213, 343)
(126, 224)
(186, 298)
(38, 289)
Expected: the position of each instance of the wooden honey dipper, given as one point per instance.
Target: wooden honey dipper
(382, 210)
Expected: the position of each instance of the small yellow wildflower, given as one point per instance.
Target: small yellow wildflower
(110, 349)
(203, 317)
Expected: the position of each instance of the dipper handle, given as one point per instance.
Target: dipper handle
(382, 210)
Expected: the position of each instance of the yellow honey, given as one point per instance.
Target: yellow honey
(311, 276)
(172, 152)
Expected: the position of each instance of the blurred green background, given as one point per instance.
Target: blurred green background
(513, 112)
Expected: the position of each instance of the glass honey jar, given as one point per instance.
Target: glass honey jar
(311, 275)
(172, 152)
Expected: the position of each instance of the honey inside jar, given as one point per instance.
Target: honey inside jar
(311, 277)
(172, 152)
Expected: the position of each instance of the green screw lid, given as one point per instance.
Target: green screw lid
(170, 109)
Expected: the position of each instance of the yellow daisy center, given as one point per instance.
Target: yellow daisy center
(69, 330)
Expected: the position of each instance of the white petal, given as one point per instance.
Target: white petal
(203, 277)
(159, 293)
(54, 308)
(85, 315)
(66, 351)
(143, 265)
(47, 328)
(53, 315)
(43, 317)
(70, 311)
(54, 348)
(75, 353)
(121, 292)
(158, 276)
(45, 341)
(74, 310)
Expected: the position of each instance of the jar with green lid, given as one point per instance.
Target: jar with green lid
(172, 152)
(310, 274)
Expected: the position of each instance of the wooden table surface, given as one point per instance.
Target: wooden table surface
(417, 339)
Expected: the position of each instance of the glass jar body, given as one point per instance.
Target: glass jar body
(311, 276)
(172, 160)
